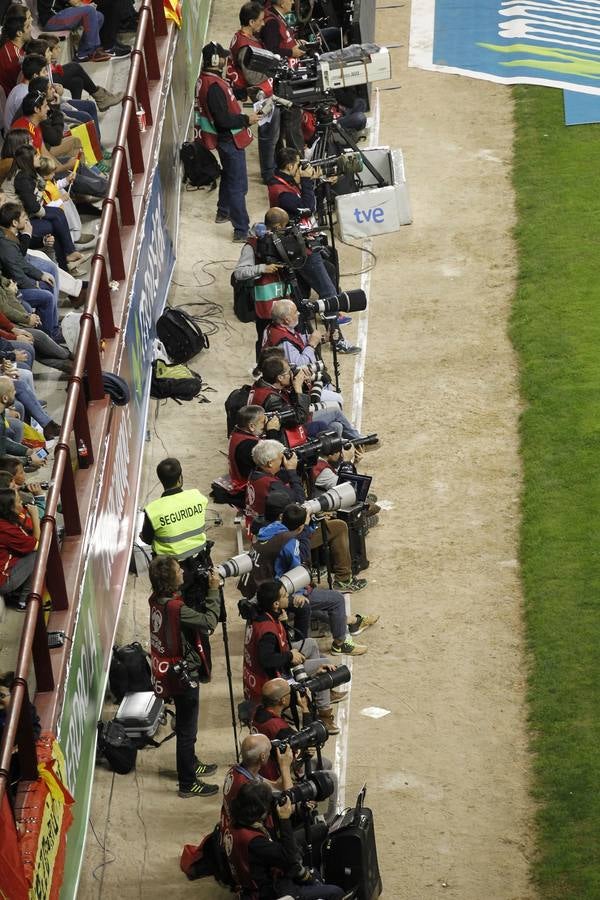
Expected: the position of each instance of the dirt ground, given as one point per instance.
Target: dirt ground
(448, 768)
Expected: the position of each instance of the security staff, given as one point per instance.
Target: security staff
(174, 524)
(224, 128)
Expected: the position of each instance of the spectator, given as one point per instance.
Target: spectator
(65, 15)
(15, 33)
(7, 681)
(30, 493)
(19, 536)
(21, 324)
(33, 65)
(28, 187)
(75, 78)
(7, 399)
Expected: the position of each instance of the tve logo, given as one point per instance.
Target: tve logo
(375, 214)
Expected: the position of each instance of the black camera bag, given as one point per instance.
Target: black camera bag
(200, 167)
(129, 671)
(349, 853)
(117, 747)
(181, 336)
(243, 299)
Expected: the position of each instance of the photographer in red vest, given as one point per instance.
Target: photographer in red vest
(245, 82)
(176, 659)
(224, 128)
(251, 426)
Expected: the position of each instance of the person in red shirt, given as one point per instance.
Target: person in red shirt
(16, 31)
(31, 120)
(19, 536)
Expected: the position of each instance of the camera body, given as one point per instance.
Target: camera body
(181, 670)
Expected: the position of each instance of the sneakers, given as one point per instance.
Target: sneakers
(349, 648)
(343, 320)
(326, 717)
(86, 240)
(362, 623)
(337, 696)
(240, 237)
(350, 587)
(119, 51)
(205, 768)
(221, 217)
(98, 56)
(342, 346)
(104, 99)
(198, 789)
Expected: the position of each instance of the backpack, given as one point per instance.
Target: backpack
(200, 168)
(243, 299)
(234, 403)
(129, 671)
(117, 747)
(181, 337)
(208, 858)
(174, 382)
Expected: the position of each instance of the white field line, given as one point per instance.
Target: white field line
(343, 709)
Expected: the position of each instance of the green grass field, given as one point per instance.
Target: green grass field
(556, 330)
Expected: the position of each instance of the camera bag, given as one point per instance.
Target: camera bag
(243, 299)
(117, 747)
(129, 670)
(349, 853)
(200, 167)
(180, 335)
(174, 382)
(140, 715)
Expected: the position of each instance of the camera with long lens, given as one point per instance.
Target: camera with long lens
(315, 368)
(284, 415)
(182, 671)
(347, 301)
(326, 444)
(349, 162)
(323, 681)
(313, 735)
(293, 581)
(316, 787)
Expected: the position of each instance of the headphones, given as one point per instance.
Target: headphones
(215, 58)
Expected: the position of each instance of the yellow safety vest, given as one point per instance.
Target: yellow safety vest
(178, 523)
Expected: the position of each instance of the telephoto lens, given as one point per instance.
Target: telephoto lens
(348, 301)
(314, 734)
(237, 565)
(295, 580)
(326, 681)
(316, 787)
(342, 496)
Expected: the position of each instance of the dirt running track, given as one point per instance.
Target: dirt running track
(448, 768)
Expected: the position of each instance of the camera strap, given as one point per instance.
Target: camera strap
(278, 244)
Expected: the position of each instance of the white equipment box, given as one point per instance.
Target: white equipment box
(372, 209)
(343, 72)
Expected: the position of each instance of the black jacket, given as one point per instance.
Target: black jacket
(14, 263)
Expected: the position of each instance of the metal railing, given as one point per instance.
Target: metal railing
(108, 265)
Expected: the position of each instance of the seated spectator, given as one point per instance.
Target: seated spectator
(251, 426)
(30, 493)
(75, 79)
(18, 323)
(13, 139)
(32, 65)
(7, 400)
(56, 194)
(19, 536)
(65, 15)
(16, 31)
(25, 182)
(36, 286)
(20, 357)
(7, 681)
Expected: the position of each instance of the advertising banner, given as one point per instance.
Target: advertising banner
(551, 42)
(110, 532)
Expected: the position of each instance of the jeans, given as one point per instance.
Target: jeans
(19, 578)
(45, 348)
(333, 604)
(187, 706)
(55, 222)
(43, 303)
(234, 186)
(314, 272)
(286, 887)
(26, 395)
(76, 80)
(337, 421)
(11, 346)
(90, 20)
(44, 264)
(268, 135)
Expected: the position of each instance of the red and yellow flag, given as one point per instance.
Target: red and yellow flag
(173, 11)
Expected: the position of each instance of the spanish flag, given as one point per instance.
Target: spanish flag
(173, 11)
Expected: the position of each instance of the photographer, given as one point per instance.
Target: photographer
(279, 391)
(175, 642)
(224, 128)
(325, 473)
(251, 425)
(268, 652)
(255, 750)
(258, 860)
(280, 39)
(273, 474)
(246, 81)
